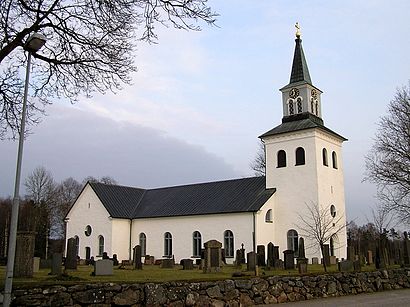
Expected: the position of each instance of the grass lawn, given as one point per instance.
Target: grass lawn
(152, 273)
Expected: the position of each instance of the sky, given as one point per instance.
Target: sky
(199, 100)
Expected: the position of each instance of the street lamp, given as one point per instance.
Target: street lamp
(32, 45)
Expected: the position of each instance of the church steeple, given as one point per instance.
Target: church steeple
(300, 96)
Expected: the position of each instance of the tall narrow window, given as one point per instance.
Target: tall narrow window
(291, 111)
(143, 243)
(168, 245)
(77, 245)
(312, 106)
(317, 109)
(293, 243)
(100, 245)
(299, 105)
(268, 216)
(300, 156)
(196, 244)
(228, 246)
(334, 160)
(281, 158)
(324, 156)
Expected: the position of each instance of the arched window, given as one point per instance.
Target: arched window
(334, 160)
(228, 246)
(312, 105)
(143, 243)
(293, 243)
(300, 156)
(332, 210)
(168, 245)
(77, 245)
(290, 103)
(100, 245)
(281, 158)
(299, 100)
(317, 109)
(324, 156)
(196, 244)
(88, 230)
(268, 216)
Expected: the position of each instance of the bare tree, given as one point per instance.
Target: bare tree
(104, 179)
(89, 48)
(259, 164)
(40, 186)
(388, 162)
(319, 224)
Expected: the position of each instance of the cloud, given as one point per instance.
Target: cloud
(73, 142)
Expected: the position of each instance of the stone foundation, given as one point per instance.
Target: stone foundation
(237, 292)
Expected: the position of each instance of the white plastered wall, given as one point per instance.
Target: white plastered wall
(265, 231)
(211, 227)
(88, 210)
(298, 186)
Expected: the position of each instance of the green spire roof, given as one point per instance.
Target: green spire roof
(300, 71)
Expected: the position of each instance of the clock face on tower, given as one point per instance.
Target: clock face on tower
(314, 94)
(294, 92)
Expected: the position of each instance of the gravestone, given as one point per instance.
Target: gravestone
(150, 260)
(278, 264)
(167, 263)
(350, 253)
(357, 266)
(276, 252)
(326, 257)
(238, 258)
(36, 264)
(105, 256)
(346, 266)
(115, 259)
(289, 256)
(315, 260)
(260, 249)
(71, 259)
(137, 251)
(187, 264)
(333, 260)
(243, 260)
(223, 256)
(213, 256)
(369, 257)
(56, 264)
(270, 255)
(302, 261)
(103, 267)
(251, 261)
(23, 263)
(406, 250)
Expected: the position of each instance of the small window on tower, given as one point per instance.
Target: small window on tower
(317, 108)
(281, 158)
(312, 105)
(299, 105)
(300, 156)
(291, 111)
(324, 156)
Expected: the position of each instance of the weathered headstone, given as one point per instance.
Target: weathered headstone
(315, 260)
(350, 253)
(23, 265)
(238, 258)
(137, 251)
(103, 267)
(167, 263)
(115, 259)
(56, 264)
(302, 261)
(71, 259)
(36, 264)
(270, 255)
(289, 256)
(243, 260)
(260, 250)
(278, 264)
(213, 256)
(357, 266)
(251, 261)
(332, 260)
(326, 256)
(105, 256)
(276, 252)
(187, 264)
(369, 257)
(346, 266)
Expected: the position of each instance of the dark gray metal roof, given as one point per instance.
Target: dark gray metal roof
(299, 122)
(300, 71)
(237, 195)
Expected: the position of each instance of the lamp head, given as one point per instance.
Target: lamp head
(35, 42)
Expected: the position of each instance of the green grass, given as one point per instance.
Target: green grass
(152, 273)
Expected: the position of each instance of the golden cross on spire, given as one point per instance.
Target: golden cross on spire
(298, 33)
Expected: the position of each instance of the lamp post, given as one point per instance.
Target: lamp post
(32, 45)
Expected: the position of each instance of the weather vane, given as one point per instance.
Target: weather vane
(298, 33)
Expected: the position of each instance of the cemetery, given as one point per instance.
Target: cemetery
(255, 277)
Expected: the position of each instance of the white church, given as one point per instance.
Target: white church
(303, 166)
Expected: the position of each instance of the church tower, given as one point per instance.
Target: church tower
(304, 162)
